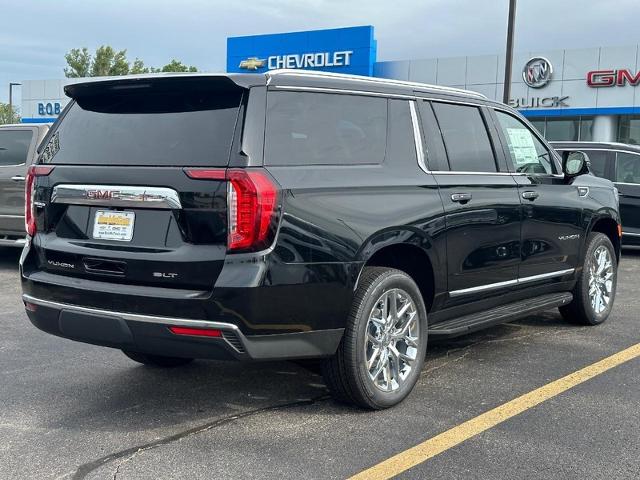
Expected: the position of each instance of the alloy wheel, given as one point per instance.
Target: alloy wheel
(391, 347)
(600, 279)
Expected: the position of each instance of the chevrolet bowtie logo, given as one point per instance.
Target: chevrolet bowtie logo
(252, 63)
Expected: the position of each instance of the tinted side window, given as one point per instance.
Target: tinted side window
(528, 154)
(14, 146)
(324, 129)
(401, 145)
(465, 138)
(627, 168)
(598, 162)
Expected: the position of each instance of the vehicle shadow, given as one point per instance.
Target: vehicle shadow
(130, 397)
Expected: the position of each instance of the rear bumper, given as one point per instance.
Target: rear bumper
(151, 334)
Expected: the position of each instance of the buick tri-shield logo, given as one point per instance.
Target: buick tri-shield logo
(537, 72)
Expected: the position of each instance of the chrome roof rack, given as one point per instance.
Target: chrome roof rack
(375, 80)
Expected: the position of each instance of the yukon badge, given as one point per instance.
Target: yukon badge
(53, 263)
(569, 237)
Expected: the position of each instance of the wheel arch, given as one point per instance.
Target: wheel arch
(608, 226)
(409, 251)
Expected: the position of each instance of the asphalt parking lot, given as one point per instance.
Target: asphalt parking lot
(69, 410)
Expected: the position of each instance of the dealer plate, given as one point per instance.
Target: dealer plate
(113, 225)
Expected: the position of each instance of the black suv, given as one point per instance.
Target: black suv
(619, 163)
(299, 215)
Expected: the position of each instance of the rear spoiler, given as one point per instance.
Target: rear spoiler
(131, 83)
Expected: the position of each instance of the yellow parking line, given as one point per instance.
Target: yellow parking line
(446, 440)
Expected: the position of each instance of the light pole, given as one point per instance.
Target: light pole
(509, 58)
(11, 85)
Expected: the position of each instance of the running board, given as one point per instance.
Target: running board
(505, 313)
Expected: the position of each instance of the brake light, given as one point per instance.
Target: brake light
(252, 199)
(29, 194)
(252, 202)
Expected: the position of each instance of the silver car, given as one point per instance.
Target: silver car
(18, 145)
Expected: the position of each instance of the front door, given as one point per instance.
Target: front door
(627, 180)
(15, 148)
(481, 206)
(551, 210)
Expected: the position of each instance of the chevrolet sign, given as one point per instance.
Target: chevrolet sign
(300, 60)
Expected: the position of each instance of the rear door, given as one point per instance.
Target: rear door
(120, 204)
(16, 146)
(627, 180)
(551, 209)
(480, 201)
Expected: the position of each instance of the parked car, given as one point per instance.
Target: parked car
(18, 144)
(619, 163)
(301, 215)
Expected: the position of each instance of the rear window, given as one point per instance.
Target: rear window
(14, 146)
(171, 127)
(325, 129)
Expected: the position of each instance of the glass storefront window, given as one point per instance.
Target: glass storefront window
(562, 129)
(629, 129)
(565, 128)
(538, 123)
(586, 129)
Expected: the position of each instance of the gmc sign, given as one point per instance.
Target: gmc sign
(610, 78)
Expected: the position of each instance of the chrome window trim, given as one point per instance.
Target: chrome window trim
(136, 317)
(517, 281)
(342, 91)
(450, 172)
(127, 196)
(373, 80)
(417, 137)
(597, 149)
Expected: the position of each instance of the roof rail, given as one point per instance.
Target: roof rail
(384, 81)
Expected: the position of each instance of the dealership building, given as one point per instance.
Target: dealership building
(574, 94)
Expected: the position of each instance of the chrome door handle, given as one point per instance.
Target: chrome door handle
(17, 178)
(461, 197)
(530, 195)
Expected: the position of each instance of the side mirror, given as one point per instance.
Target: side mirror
(574, 163)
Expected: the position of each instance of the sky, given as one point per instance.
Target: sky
(35, 34)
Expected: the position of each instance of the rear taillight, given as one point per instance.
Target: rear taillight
(252, 203)
(29, 193)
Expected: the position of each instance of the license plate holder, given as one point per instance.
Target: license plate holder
(113, 225)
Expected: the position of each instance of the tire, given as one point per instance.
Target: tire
(157, 360)
(585, 308)
(368, 337)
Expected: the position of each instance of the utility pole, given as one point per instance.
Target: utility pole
(11, 85)
(509, 58)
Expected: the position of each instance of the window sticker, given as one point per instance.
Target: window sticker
(522, 146)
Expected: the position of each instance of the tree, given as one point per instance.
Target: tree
(107, 62)
(177, 66)
(138, 67)
(8, 115)
(79, 63)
